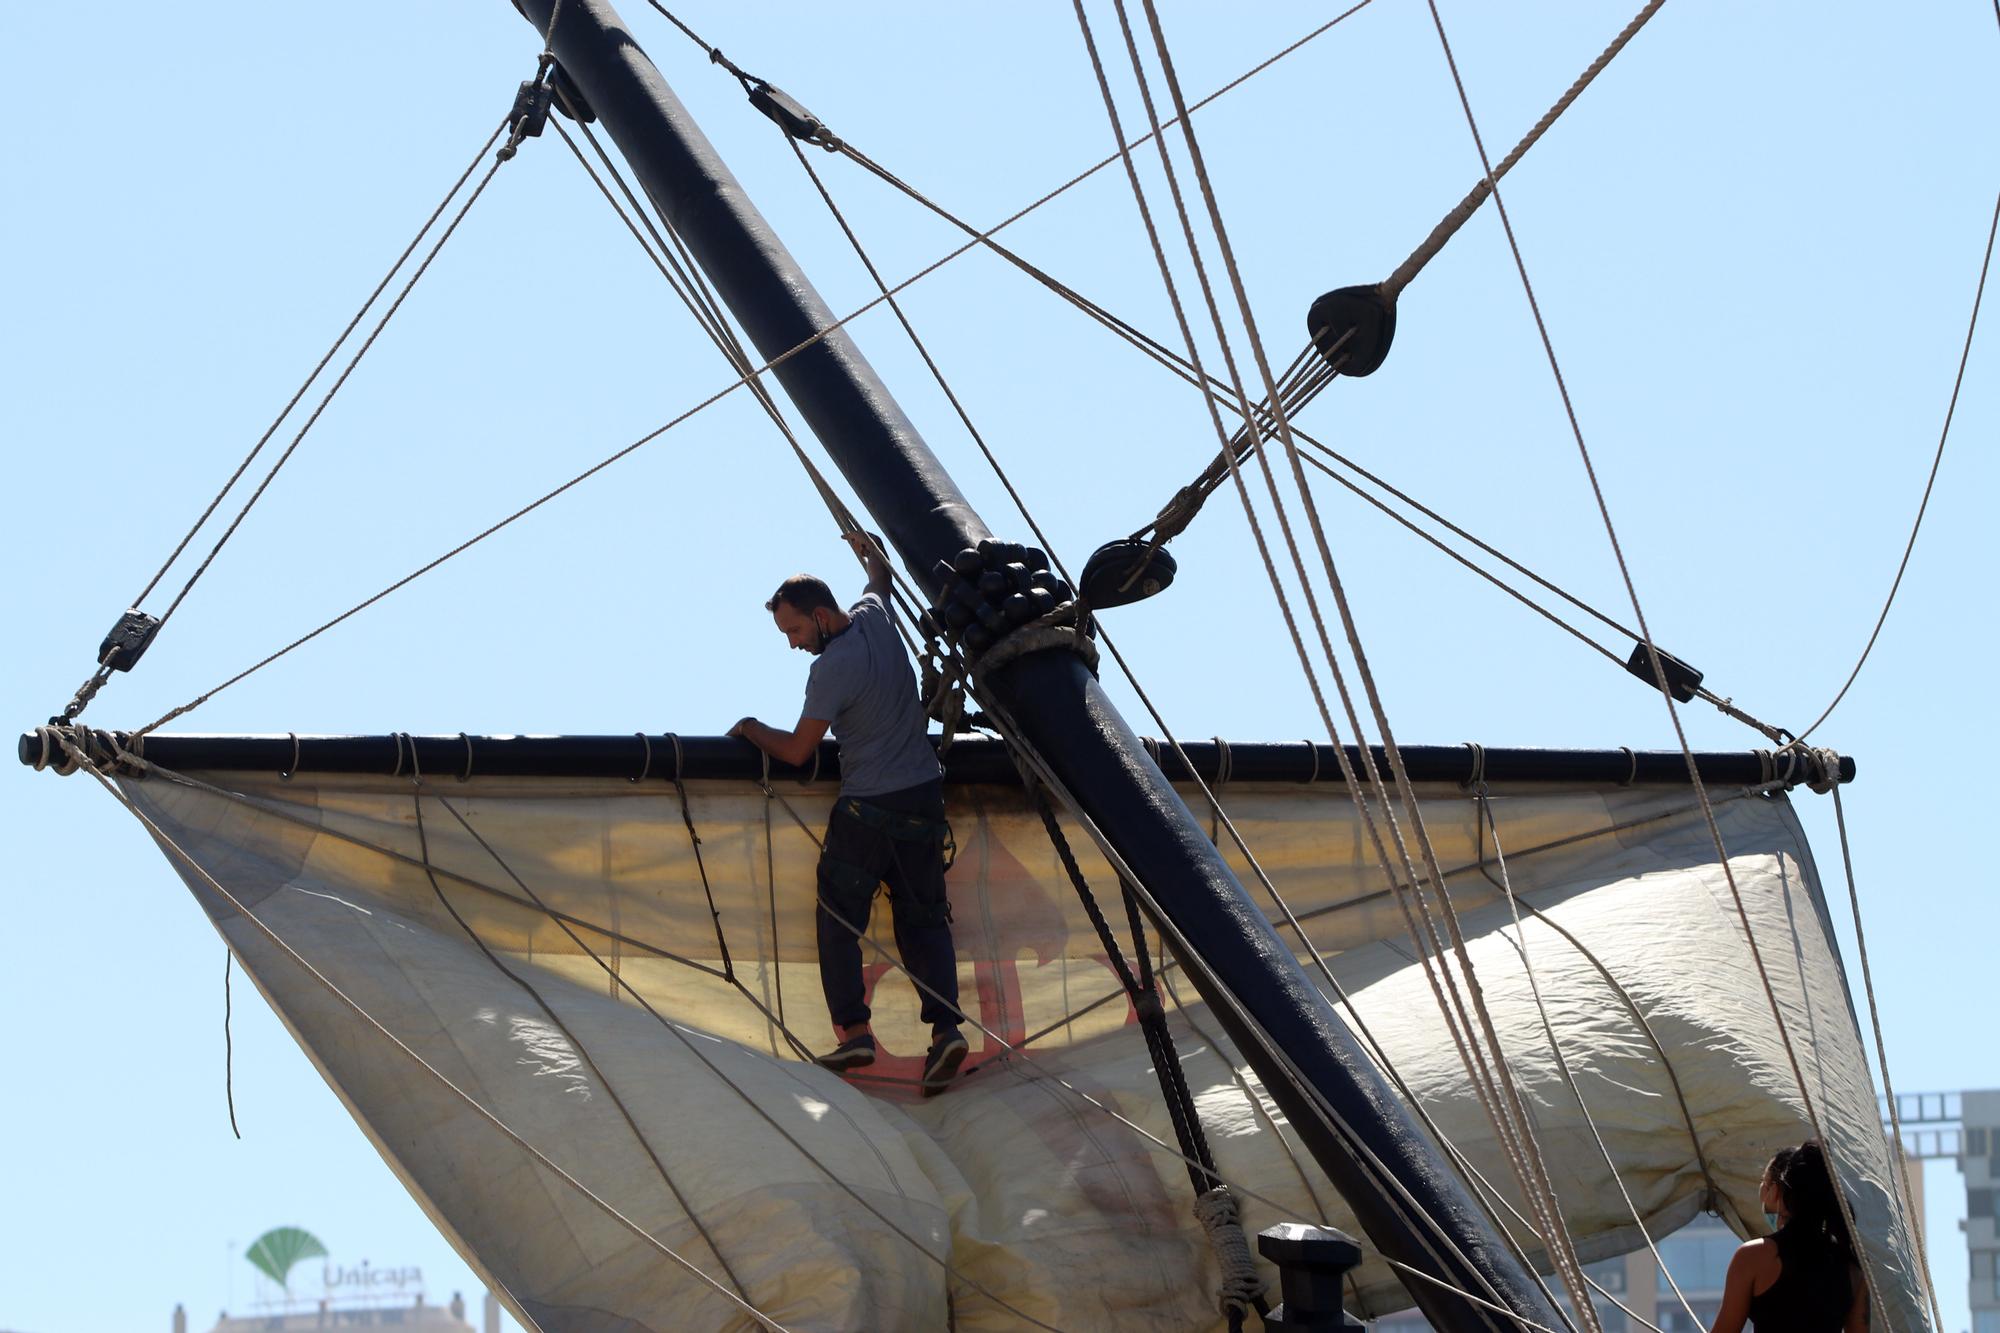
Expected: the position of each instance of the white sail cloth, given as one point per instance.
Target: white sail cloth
(547, 949)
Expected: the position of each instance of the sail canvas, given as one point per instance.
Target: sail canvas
(511, 981)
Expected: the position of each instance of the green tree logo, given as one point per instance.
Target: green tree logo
(277, 1250)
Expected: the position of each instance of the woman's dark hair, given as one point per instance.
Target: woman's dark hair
(803, 593)
(1813, 1207)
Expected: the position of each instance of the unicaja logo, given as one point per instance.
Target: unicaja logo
(276, 1252)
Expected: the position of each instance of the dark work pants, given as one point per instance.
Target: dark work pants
(895, 838)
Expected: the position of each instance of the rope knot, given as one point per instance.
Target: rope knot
(1064, 627)
(1240, 1289)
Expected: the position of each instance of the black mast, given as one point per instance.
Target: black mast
(1404, 1197)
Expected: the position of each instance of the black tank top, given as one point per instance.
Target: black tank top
(1813, 1293)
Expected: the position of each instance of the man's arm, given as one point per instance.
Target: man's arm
(869, 548)
(792, 747)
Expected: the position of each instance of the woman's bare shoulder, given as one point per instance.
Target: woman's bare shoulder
(1759, 1258)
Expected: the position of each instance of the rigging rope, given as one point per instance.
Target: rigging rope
(1900, 1192)
(88, 690)
(1221, 815)
(1652, 652)
(1426, 1228)
(135, 760)
(1951, 408)
(1422, 1226)
(82, 759)
(1502, 1100)
(700, 864)
(1189, 498)
(694, 1049)
(1448, 226)
(1214, 1206)
(228, 1044)
(569, 1035)
(1504, 882)
(1180, 510)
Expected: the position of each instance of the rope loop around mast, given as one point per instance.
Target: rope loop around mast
(646, 770)
(1064, 627)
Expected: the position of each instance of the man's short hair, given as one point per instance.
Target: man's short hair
(803, 593)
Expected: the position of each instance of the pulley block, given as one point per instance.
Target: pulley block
(1128, 570)
(1352, 328)
(1682, 679)
(128, 640)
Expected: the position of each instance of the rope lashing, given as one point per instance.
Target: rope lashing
(65, 749)
(1822, 769)
(85, 693)
(1221, 1217)
(1034, 639)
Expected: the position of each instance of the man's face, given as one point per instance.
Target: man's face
(800, 629)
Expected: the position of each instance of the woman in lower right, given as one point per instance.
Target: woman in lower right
(1805, 1277)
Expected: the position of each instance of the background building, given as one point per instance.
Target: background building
(1980, 1120)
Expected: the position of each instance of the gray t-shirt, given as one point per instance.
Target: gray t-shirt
(863, 685)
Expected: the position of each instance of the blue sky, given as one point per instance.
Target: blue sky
(1754, 240)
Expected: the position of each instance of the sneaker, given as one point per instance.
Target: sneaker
(854, 1053)
(947, 1053)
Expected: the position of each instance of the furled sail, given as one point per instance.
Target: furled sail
(554, 951)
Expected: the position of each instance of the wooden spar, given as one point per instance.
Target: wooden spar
(1410, 1205)
(971, 759)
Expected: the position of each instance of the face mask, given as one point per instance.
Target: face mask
(1771, 1220)
(819, 628)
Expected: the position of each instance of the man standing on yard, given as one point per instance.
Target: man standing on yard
(888, 825)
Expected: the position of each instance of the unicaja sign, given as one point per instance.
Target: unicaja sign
(363, 1279)
(277, 1253)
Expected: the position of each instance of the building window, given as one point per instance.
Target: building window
(1986, 1321)
(1698, 1260)
(1975, 1142)
(1608, 1274)
(1979, 1203)
(1675, 1320)
(1983, 1264)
